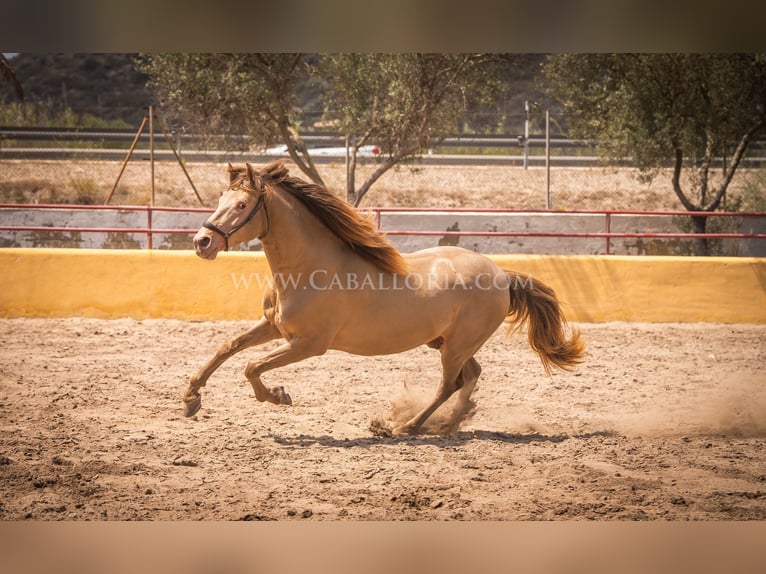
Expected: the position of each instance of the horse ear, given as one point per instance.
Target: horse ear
(275, 171)
(250, 174)
(232, 172)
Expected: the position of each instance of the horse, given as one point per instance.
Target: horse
(338, 284)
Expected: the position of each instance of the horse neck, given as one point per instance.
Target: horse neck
(297, 242)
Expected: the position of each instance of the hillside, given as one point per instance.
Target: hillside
(108, 87)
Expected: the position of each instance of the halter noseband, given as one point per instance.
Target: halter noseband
(261, 202)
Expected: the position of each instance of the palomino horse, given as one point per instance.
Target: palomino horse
(339, 284)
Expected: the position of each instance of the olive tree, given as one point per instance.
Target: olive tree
(251, 95)
(404, 103)
(401, 103)
(695, 112)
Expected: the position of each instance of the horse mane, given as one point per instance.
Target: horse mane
(355, 230)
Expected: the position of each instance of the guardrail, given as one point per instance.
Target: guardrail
(318, 138)
(378, 212)
(327, 147)
(313, 139)
(580, 152)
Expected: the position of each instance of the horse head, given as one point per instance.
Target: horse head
(241, 214)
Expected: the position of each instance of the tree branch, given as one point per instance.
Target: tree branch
(739, 153)
(383, 168)
(677, 181)
(705, 168)
(295, 144)
(7, 74)
(365, 187)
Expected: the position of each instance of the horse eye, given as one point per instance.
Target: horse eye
(242, 205)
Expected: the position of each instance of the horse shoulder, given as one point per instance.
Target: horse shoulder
(303, 313)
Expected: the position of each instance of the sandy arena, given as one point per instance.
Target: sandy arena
(662, 422)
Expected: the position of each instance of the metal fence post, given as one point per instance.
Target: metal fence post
(151, 148)
(149, 242)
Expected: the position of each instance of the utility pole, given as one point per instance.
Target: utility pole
(526, 135)
(547, 159)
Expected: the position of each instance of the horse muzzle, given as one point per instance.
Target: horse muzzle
(207, 244)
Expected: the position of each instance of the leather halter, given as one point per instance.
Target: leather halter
(258, 204)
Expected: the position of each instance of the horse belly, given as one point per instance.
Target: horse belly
(392, 321)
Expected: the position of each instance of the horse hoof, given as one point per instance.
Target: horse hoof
(405, 430)
(281, 395)
(380, 427)
(192, 407)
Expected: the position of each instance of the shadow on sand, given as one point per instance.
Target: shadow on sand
(440, 441)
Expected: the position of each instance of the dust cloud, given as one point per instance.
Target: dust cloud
(735, 407)
(409, 402)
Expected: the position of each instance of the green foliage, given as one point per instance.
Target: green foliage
(41, 116)
(666, 109)
(406, 103)
(97, 85)
(249, 95)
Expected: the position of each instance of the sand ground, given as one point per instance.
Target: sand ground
(662, 421)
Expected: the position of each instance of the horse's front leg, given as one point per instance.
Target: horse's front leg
(262, 332)
(294, 350)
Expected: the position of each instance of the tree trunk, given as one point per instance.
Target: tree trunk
(700, 243)
(351, 195)
(298, 152)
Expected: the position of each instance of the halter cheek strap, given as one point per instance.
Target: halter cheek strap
(226, 234)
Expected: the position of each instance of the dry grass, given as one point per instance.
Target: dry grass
(404, 186)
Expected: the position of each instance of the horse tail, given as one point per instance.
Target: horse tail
(534, 303)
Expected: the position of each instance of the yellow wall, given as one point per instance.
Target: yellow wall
(143, 284)
(652, 289)
(127, 283)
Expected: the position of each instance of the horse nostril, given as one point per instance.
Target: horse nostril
(203, 242)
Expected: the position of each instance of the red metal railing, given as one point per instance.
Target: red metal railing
(606, 234)
(149, 230)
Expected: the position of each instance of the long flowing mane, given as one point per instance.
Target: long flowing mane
(356, 231)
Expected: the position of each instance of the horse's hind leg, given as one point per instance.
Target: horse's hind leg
(451, 370)
(262, 332)
(469, 376)
(465, 382)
